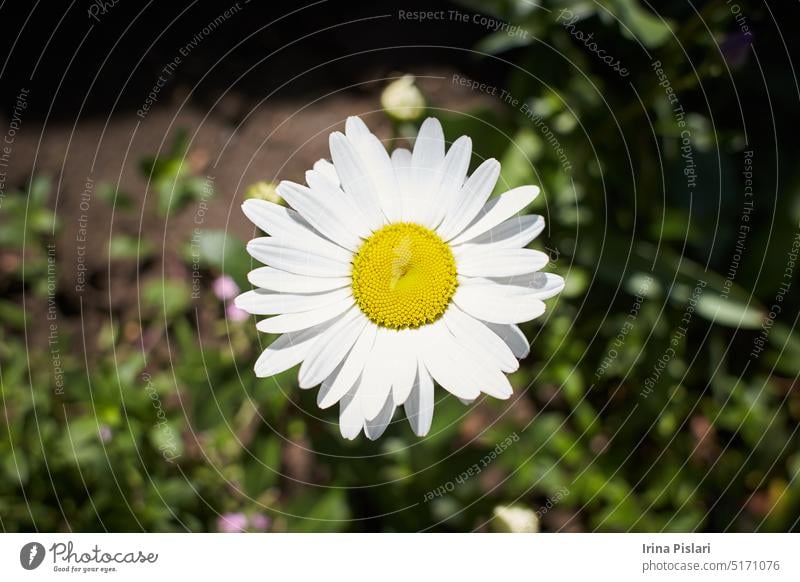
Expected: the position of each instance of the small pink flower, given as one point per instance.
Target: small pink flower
(259, 522)
(225, 288)
(233, 313)
(105, 433)
(232, 523)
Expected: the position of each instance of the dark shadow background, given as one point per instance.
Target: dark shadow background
(61, 44)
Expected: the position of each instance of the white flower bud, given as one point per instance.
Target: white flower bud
(264, 191)
(515, 520)
(402, 99)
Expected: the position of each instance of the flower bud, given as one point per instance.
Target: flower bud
(402, 100)
(264, 191)
(515, 520)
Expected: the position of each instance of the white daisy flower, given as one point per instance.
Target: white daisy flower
(390, 273)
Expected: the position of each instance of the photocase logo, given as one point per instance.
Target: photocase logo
(31, 555)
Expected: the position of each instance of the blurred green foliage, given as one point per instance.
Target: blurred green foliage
(172, 179)
(148, 437)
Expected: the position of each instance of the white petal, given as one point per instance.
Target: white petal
(401, 162)
(497, 303)
(427, 160)
(287, 351)
(297, 321)
(307, 242)
(302, 261)
(482, 372)
(330, 348)
(494, 382)
(325, 387)
(475, 336)
(401, 158)
(470, 199)
(328, 170)
(513, 336)
(322, 211)
(488, 261)
(277, 280)
(351, 369)
(351, 419)
(428, 151)
(542, 285)
(504, 206)
(403, 367)
(275, 219)
(355, 129)
(419, 406)
(377, 426)
(516, 232)
(375, 383)
(356, 180)
(444, 360)
(453, 175)
(263, 302)
(377, 163)
(344, 210)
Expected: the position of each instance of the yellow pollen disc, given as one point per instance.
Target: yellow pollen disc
(404, 275)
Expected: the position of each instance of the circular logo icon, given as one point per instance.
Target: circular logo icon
(31, 555)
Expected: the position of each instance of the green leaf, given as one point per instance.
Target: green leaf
(501, 41)
(728, 312)
(39, 190)
(108, 193)
(218, 250)
(638, 23)
(165, 436)
(517, 167)
(167, 297)
(16, 466)
(322, 513)
(125, 247)
(12, 314)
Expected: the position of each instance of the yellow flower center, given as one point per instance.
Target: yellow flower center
(404, 275)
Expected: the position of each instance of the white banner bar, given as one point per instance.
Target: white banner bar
(400, 557)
